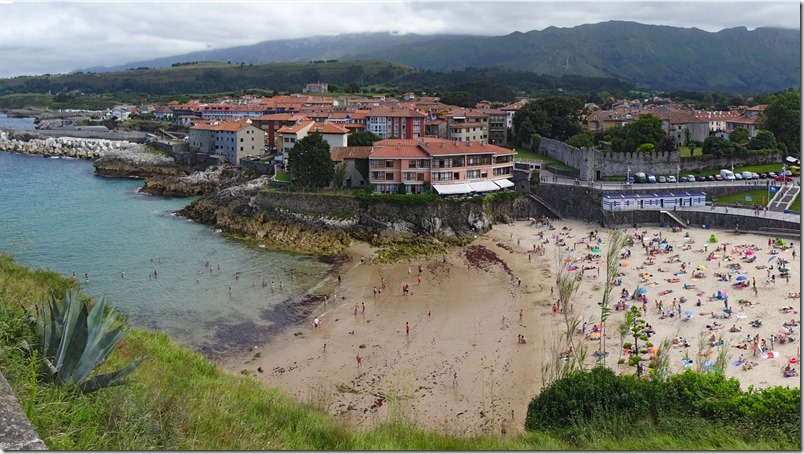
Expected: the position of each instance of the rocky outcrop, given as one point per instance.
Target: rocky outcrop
(30, 142)
(325, 224)
(135, 161)
(198, 183)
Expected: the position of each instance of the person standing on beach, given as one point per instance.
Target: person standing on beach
(407, 329)
(359, 361)
(454, 379)
(364, 307)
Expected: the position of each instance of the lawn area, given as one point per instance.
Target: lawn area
(796, 205)
(282, 176)
(757, 196)
(685, 151)
(527, 154)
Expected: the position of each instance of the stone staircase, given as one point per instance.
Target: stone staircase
(783, 198)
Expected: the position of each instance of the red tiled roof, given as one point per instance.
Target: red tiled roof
(395, 112)
(341, 153)
(293, 129)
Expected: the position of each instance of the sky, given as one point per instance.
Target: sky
(39, 37)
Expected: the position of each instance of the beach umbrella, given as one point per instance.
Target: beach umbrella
(741, 277)
(749, 252)
(781, 241)
(643, 291)
(784, 270)
(740, 315)
(653, 350)
(689, 313)
(770, 259)
(701, 267)
(784, 330)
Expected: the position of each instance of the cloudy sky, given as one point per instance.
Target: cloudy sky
(38, 37)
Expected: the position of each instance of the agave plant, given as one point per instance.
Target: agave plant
(76, 340)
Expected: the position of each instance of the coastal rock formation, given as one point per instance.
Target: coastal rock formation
(29, 142)
(134, 161)
(198, 183)
(325, 224)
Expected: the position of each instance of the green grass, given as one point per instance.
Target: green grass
(282, 176)
(179, 400)
(796, 205)
(739, 197)
(527, 154)
(685, 151)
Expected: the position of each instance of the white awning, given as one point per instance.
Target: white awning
(483, 186)
(455, 188)
(503, 183)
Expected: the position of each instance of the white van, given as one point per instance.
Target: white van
(748, 176)
(726, 174)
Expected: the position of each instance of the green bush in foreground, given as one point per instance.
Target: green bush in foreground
(179, 400)
(599, 397)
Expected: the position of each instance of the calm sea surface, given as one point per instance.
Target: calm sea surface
(55, 214)
(16, 123)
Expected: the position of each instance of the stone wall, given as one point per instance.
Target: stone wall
(696, 219)
(595, 164)
(16, 432)
(260, 168)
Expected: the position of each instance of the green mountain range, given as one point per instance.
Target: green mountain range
(733, 60)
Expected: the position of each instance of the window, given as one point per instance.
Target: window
(412, 164)
(473, 173)
(241, 140)
(389, 164)
(420, 177)
(389, 176)
(409, 176)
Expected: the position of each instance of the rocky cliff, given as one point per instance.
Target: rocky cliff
(198, 183)
(135, 161)
(325, 224)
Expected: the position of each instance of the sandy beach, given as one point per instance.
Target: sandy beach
(460, 368)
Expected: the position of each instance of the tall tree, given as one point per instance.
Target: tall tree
(739, 135)
(556, 117)
(783, 118)
(764, 140)
(362, 139)
(647, 129)
(310, 162)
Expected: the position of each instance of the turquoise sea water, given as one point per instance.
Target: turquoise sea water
(56, 214)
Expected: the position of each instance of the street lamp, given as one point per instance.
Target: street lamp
(628, 176)
(678, 173)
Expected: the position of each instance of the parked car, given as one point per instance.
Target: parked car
(783, 178)
(662, 179)
(738, 176)
(754, 176)
(640, 177)
(763, 175)
(727, 174)
(747, 176)
(710, 178)
(771, 174)
(700, 178)
(718, 177)
(683, 179)
(671, 179)
(651, 178)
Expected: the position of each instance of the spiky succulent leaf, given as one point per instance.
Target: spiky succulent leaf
(76, 340)
(95, 354)
(111, 379)
(71, 306)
